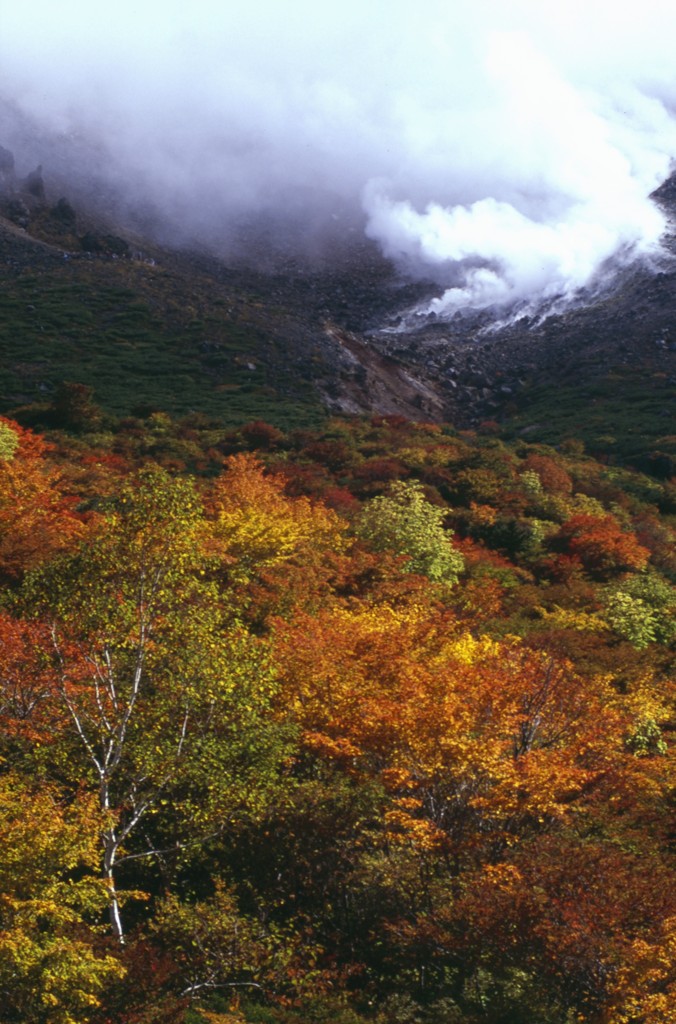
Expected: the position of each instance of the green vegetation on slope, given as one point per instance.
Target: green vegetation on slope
(145, 338)
(623, 414)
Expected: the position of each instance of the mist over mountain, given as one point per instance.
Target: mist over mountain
(506, 151)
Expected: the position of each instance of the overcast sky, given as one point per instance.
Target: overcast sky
(506, 146)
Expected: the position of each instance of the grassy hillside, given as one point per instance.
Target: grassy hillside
(624, 414)
(145, 336)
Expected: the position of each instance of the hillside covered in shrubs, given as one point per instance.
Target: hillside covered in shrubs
(371, 724)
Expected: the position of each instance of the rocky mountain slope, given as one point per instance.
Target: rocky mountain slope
(284, 337)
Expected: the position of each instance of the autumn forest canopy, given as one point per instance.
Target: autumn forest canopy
(367, 724)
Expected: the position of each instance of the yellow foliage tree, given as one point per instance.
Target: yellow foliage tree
(255, 525)
(50, 969)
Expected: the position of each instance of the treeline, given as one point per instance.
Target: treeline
(373, 724)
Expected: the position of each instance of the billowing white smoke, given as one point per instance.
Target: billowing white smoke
(578, 200)
(505, 149)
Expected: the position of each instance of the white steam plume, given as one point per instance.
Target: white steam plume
(507, 150)
(579, 198)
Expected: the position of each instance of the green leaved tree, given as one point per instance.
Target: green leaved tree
(405, 522)
(642, 609)
(166, 703)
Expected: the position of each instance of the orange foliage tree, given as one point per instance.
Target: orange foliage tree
(601, 544)
(477, 742)
(28, 687)
(36, 518)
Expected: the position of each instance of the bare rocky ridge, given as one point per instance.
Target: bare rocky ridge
(482, 369)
